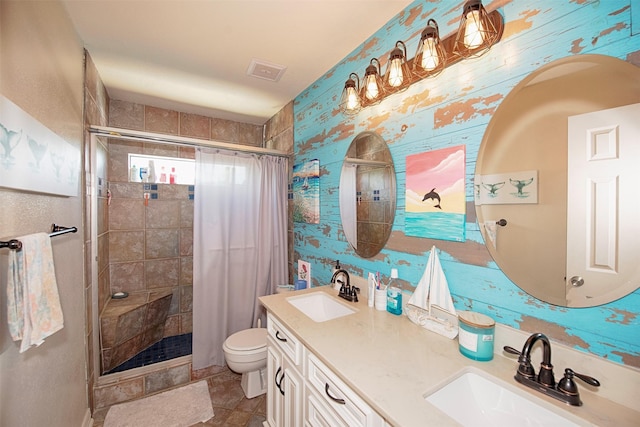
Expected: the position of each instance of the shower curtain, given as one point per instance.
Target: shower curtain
(239, 244)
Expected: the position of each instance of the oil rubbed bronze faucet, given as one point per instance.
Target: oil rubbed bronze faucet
(565, 390)
(348, 292)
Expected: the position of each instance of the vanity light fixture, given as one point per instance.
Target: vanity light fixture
(431, 57)
(350, 99)
(476, 33)
(372, 90)
(398, 75)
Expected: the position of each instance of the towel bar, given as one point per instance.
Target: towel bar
(56, 230)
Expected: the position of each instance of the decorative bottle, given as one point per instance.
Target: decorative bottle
(394, 294)
(133, 174)
(152, 172)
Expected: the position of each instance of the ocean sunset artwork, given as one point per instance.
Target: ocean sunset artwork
(306, 192)
(435, 194)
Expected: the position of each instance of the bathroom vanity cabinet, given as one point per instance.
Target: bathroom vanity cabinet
(304, 391)
(285, 382)
(371, 368)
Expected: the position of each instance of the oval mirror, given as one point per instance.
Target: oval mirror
(567, 132)
(367, 194)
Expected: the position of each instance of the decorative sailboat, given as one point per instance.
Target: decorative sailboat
(305, 184)
(431, 305)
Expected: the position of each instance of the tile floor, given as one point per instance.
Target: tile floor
(230, 406)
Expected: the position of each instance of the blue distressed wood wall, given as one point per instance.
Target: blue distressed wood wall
(452, 109)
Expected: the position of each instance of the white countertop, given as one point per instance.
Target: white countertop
(392, 363)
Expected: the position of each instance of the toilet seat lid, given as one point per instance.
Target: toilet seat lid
(248, 339)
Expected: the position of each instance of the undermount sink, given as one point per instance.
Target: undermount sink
(319, 306)
(475, 398)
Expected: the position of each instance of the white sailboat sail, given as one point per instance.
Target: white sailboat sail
(431, 305)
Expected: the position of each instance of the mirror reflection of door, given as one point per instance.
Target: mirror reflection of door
(602, 195)
(529, 131)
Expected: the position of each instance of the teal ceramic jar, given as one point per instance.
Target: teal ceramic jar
(475, 335)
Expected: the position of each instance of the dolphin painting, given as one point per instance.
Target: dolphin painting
(434, 196)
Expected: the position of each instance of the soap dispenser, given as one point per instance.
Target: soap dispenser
(394, 294)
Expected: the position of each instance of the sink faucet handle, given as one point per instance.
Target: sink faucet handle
(511, 350)
(586, 378)
(525, 368)
(567, 385)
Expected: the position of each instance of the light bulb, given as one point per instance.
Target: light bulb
(372, 91)
(352, 99)
(474, 30)
(430, 58)
(395, 73)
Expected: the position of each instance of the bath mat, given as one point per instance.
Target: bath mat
(182, 407)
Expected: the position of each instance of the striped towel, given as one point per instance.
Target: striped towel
(33, 303)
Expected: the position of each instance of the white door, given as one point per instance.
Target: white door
(603, 205)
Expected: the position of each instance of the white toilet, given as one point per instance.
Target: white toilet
(246, 353)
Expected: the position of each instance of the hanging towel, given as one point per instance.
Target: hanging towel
(33, 303)
(433, 288)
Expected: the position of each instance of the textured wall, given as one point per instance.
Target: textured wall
(41, 68)
(452, 109)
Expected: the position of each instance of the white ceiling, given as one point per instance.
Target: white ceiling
(193, 55)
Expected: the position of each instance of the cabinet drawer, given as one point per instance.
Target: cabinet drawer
(319, 414)
(285, 340)
(337, 395)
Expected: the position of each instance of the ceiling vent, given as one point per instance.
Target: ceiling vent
(265, 70)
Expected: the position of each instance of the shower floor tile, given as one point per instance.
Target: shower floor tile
(165, 349)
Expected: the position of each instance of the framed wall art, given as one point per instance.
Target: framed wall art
(306, 192)
(435, 194)
(32, 157)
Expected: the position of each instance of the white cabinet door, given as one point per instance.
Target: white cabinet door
(292, 383)
(285, 383)
(603, 205)
(275, 399)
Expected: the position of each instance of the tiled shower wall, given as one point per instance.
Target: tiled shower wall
(278, 135)
(150, 247)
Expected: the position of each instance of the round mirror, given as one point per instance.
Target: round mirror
(367, 194)
(558, 163)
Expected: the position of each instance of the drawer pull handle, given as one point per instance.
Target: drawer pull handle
(335, 399)
(275, 378)
(280, 339)
(279, 384)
